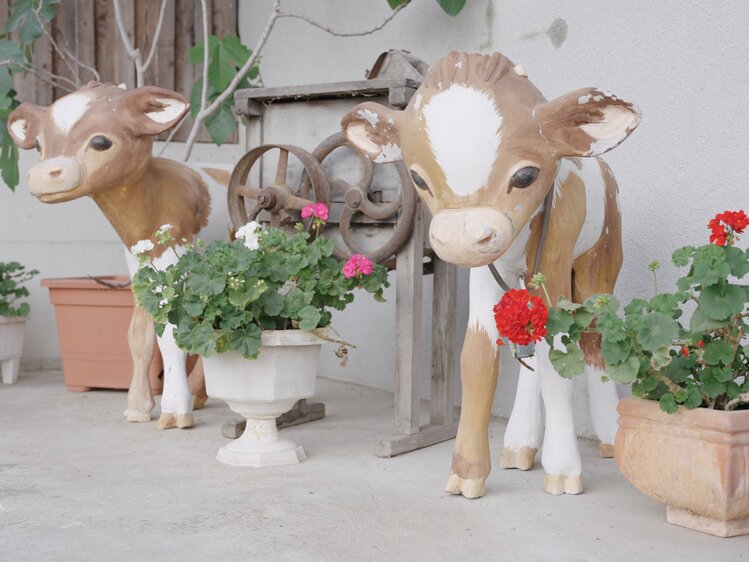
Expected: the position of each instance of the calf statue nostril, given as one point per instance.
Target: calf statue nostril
(56, 173)
(487, 237)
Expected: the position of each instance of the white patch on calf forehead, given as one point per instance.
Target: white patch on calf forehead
(464, 130)
(18, 127)
(67, 111)
(171, 110)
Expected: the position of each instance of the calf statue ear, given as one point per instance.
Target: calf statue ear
(151, 110)
(372, 129)
(587, 122)
(23, 124)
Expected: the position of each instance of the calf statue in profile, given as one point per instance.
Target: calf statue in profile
(485, 149)
(97, 143)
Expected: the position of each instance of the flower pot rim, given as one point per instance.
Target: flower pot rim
(85, 282)
(722, 420)
(13, 319)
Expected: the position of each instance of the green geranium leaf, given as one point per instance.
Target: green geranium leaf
(701, 323)
(660, 358)
(309, 318)
(559, 321)
(204, 282)
(202, 340)
(681, 256)
(569, 364)
(721, 301)
(617, 351)
(668, 403)
(680, 368)
(737, 260)
(665, 303)
(694, 399)
(624, 372)
(246, 341)
(719, 351)
(636, 306)
(566, 304)
(657, 330)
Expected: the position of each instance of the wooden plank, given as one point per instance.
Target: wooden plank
(224, 16)
(444, 358)
(124, 68)
(107, 40)
(161, 70)
(86, 38)
(356, 88)
(429, 435)
(43, 91)
(64, 33)
(408, 297)
(184, 71)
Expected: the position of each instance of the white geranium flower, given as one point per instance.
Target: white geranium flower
(250, 233)
(159, 289)
(141, 247)
(164, 228)
(163, 303)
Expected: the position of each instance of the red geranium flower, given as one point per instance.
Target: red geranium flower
(700, 343)
(724, 226)
(685, 351)
(521, 317)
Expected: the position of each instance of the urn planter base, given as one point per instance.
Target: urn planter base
(717, 527)
(260, 390)
(260, 446)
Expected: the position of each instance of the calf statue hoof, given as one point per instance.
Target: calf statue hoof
(168, 420)
(606, 450)
(521, 458)
(471, 488)
(558, 484)
(199, 401)
(137, 416)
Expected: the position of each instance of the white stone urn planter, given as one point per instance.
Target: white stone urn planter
(261, 390)
(11, 346)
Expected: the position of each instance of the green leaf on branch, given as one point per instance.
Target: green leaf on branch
(569, 364)
(723, 300)
(222, 123)
(395, 3)
(452, 7)
(657, 330)
(719, 351)
(624, 372)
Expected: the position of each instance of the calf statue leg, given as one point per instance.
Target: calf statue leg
(479, 370)
(525, 426)
(560, 456)
(140, 338)
(176, 400)
(196, 380)
(602, 396)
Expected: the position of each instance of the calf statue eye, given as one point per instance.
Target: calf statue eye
(100, 143)
(524, 177)
(419, 181)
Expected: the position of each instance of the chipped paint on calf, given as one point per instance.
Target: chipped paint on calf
(369, 116)
(388, 153)
(417, 100)
(595, 203)
(67, 111)
(464, 128)
(172, 108)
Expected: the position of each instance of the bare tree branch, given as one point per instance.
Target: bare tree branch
(132, 52)
(57, 49)
(326, 29)
(43, 75)
(204, 90)
(173, 132)
(83, 65)
(205, 112)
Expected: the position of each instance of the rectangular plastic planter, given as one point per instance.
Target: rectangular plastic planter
(92, 324)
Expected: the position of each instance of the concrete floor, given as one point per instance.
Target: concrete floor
(78, 483)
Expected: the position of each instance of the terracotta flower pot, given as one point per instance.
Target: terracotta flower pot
(92, 324)
(11, 346)
(694, 461)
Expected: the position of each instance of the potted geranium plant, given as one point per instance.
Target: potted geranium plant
(13, 313)
(684, 439)
(257, 309)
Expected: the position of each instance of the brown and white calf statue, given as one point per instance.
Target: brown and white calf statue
(484, 149)
(97, 142)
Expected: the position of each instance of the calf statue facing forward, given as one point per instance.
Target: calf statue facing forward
(97, 142)
(484, 149)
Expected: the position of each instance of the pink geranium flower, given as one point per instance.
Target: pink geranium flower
(357, 265)
(317, 210)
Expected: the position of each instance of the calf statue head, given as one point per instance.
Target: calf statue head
(93, 140)
(483, 147)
